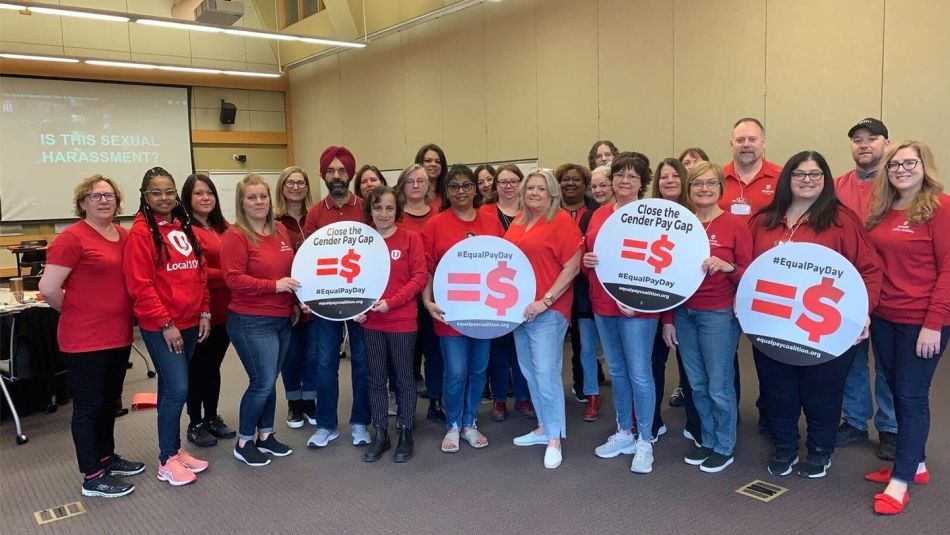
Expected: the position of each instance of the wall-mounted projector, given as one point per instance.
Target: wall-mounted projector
(219, 12)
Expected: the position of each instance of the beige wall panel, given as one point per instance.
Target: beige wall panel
(159, 58)
(267, 121)
(208, 119)
(303, 108)
(511, 81)
(567, 102)
(819, 87)
(635, 84)
(210, 97)
(260, 51)
(266, 100)
(229, 65)
(916, 101)
(97, 53)
(158, 8)
(718, 71)
(217, 46)
(152, 40)
(219, 158)
(31, 48)
(83, 33)
(462, 59)
(320, 123)
(374, 121)
(422, 88)
(33, 28)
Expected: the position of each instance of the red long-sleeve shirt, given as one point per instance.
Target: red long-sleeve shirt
(846, 236)
(408, 276)
(210, 242)
(251, 273)
(174, 289)
(326, 212)
(916, 288)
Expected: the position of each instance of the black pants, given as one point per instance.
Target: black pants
(388, 352)
(786, 391)
(96, 379)
(660, 354)
(204, 374)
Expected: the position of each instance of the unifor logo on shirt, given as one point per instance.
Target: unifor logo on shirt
(395, 254)
(180, 242)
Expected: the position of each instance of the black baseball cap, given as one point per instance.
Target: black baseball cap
(875, 126)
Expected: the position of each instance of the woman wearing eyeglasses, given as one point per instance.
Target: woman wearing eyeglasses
(601, 153)
(627, 335)
(166, 278)
(466, 358)
(909, 224)
(292, 201)
(805, 209)
(83, 280)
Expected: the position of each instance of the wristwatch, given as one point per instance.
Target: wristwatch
(548, 299)
(205, 316)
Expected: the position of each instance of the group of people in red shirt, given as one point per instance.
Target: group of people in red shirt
(197, 283)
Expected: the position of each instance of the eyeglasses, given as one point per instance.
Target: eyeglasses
(417, 181)
(158, 194)
(699, 184)
(295, 184)
(466, 187)
(800, 175)
(909, 165)
(96, 197)
(508, 183)
(629, 176)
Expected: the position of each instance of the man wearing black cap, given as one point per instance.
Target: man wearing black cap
(869, 141)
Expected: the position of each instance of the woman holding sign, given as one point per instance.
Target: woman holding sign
(627, 336)
(909, 222)
(552, 242)
(466, 358)
(805, 209)
(705, 327)
(256, 256)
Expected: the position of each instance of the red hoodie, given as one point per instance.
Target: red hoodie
(174, 289)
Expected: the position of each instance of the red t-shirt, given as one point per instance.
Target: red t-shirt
(175, 289)
(97, 311)
(758, 193)
(326, 211)
(731, 240)
(444, 230)
(210, 242)
(601, 302)
(252, 272)
(548, 246)
(916, 289)
(407, 278)
(415, 222)
(855, 193)
(846, 236)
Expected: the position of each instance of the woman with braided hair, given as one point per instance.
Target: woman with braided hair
(166, 278)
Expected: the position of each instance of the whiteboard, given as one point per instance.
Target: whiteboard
(226, 183)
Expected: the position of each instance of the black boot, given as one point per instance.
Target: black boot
(379, 446)
(436, 410)
(404, 450)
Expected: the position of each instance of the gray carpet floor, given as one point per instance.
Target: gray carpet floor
(499, 489)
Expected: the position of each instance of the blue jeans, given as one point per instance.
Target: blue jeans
(466, 361)
(503, 358)
(299, 371)
(909, 376)
(329, 338)
(857, 408)
(261, 343)
(588, 330)
(172, 370)
(707, 347)
(540, 344)
(628, 346)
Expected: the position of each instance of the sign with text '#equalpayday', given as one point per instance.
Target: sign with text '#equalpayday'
(802, 304)
(650, 255)
(342, 269)
(483, 284)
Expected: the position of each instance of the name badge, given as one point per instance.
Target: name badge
(740, 207)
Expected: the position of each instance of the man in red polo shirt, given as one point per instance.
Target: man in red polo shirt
(750, 178)
(337, 167)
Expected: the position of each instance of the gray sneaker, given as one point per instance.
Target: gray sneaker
(616, 444)
(322, 437)
(642, 458)
(360, 434)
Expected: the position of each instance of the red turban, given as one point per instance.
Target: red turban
(341, 153)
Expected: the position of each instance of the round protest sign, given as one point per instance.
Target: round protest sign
(650, 255)
(802, 304)
(483, 284)
(342, 269)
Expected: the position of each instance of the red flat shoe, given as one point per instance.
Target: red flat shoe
(884, 504)
(884, 476)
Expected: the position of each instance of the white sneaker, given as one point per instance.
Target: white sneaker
(360, 434)
(642, 458)
(616, 444)
(689, 436)
(530, 439)
(659, 433)
(552, 457)
(322, 437)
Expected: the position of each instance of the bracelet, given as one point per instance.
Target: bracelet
(204, 316)
(168, 325)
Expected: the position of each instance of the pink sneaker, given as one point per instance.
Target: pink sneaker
(192, 464)
(175, 472)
